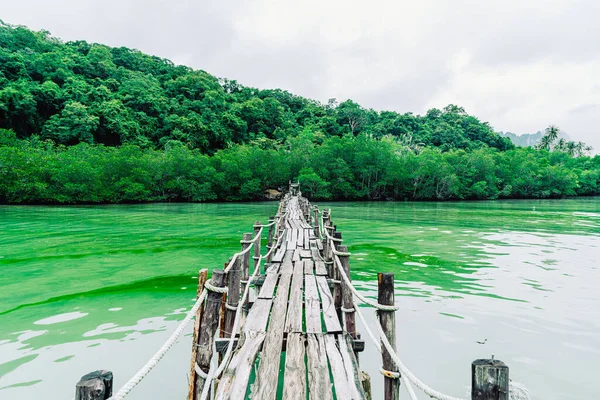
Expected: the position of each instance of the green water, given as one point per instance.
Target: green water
(84, 288)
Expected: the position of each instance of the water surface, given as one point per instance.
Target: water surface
(95, 287)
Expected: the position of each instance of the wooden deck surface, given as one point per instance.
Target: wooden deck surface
(292, 344)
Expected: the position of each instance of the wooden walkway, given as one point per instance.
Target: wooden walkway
(292, 344)
(295, 337)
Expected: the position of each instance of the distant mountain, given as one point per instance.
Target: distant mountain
(529, 139)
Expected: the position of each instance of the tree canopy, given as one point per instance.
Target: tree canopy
(87, 123)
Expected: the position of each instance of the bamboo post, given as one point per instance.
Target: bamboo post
(387, 319)
(208, 327)
(233, 298)
(489, 380)
(270, 238)
(337, 287)
(246, 262)
(96, 385)
(202, 275)
(347, 301)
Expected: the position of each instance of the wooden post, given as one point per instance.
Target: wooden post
(202, 275)
(347, 301)
(387, 319)
(208, 327)
(256, 257)
(270, 243)
(489, 380)
(96, 385)
(337, 287)
(233, 297)
(317, 222)
(246, 262)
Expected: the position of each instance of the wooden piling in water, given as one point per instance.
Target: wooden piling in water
(97, 385)
(270, 243)
(337, 286)
(233, 298)
(489, 380)
(347, 301)
(256, 257)
(387, 319)
(208, 327)
(202, 276)
(316, 220)
(246, 262)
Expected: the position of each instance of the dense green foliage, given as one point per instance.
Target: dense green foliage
(86, 123)
(79, 92)
(336, 168)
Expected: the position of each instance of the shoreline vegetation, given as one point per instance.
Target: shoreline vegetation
(85, 123)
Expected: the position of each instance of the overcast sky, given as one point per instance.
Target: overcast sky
(518, 64)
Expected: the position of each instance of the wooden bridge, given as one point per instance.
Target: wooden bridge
(292, 340)
(283, 325)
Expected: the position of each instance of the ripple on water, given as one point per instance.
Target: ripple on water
(61, 318)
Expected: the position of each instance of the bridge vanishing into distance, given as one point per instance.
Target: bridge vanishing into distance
(283, 325)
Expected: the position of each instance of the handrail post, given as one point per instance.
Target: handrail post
(347, 301)
(387, 319)
(270, 238)
(316, 225)
(337, 287)
(256, 257)
(233, 298)
(202, 276)
(489, 380)
(210, 322)
(246, 263)
(97, 385)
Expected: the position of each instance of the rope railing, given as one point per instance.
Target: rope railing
(406, 374)
(208, 286)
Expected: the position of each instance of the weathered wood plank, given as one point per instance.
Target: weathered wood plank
(305, 253)
(265, 387)
(300, 237)
(296, 258)
(280, 253)
(332, 323)
(345, 388)
(319, 384)
(268, 287)
(309, 267)
(287, 267)
(312, 305)
(307, 232)
(234, 382)
(351, 365)
(293, 322)
(294, 379)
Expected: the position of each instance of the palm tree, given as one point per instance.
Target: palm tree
(549, 137)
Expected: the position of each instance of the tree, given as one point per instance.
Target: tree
(550, 135)
(73, 125)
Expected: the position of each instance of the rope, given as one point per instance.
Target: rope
(389, 374)
(216, 289)
(231, 307)
(347, 310)
(225, 360)
(145, 370)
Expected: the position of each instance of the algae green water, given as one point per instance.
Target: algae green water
(84, 288)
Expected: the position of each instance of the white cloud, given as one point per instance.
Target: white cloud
(521, 65)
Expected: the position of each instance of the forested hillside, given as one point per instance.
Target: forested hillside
(83, 122)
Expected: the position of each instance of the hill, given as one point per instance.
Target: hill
(78, 92)
(529, 139)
